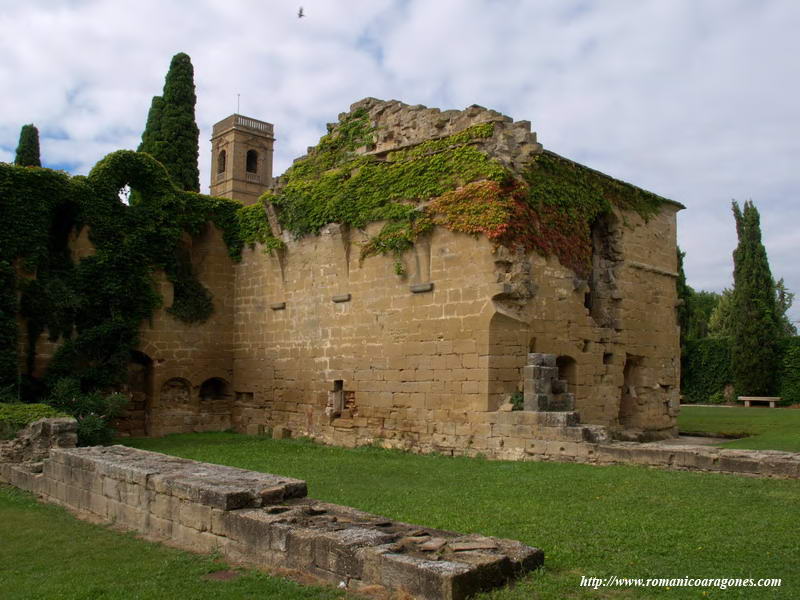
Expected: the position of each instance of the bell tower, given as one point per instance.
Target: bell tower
(241, 158)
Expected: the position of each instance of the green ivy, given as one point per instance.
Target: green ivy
(14, 417)
(336, 184)
(97, 305)
(549, 208)
(564, 200)
(707, 368)
(254, 227)
(191, 300)
(790, 373)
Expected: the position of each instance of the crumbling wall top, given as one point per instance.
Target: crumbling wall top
(399, 126)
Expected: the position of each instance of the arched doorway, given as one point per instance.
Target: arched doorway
(135, 419)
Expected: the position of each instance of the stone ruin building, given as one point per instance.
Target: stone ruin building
(455, 343)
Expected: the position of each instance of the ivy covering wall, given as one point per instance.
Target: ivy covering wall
(97, 304)
(790, 372)
(450, 182)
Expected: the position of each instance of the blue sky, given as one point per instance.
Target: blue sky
(695, 100)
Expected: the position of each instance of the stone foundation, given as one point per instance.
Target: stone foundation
(266, 521)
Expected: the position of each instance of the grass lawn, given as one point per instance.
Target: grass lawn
(594, 521)
(45, 553)
(768, 428)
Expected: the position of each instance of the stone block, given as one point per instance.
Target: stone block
(545, 360)
(426, 579)
(98, 504)
(158, 527)
(280, 432)
(195, 516)
(735, 463)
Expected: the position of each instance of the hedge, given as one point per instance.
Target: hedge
(706, 368)
(790, 375)
(14, 417)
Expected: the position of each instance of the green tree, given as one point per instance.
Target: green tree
(171, 134)
(755, 324)
(685, 298)
(785, 299)
(695, 308)
(701, 308)
(720, 323)
(28, 148)
(152, 130)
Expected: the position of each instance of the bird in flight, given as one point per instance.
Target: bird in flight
(300, 13)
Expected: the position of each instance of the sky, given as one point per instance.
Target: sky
(695, 100)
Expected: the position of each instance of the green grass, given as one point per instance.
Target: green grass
(594, 521)
(766, 428)
(623, 520)
(45, 553)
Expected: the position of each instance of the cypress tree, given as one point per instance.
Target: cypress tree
(28, 148)
(152, 130)
(171, 134)
(755, 355)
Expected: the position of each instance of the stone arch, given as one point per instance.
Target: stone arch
(175, 392)
(508, 346)
(251, 161)
(215, 389)
(221, 161)
(215, 407)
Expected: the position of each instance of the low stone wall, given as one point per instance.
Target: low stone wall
(558, 436)
(266, 520)
(761, 463)
(33, 443)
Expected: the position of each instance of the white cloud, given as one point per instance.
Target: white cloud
(694, 100)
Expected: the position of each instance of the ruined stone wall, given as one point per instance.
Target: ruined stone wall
(313, 341)
(345, 350)
(615, 336)
(411, 357)
(265, 520)
(187, 366)
(179, 379)
(430, 370)
(649, 335)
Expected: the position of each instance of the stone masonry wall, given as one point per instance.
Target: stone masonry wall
(312, 341)
(184, 356)
(431, 369)
(346, 351)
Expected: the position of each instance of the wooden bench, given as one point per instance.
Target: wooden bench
(748, 399)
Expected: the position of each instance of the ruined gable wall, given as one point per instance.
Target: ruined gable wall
(648, 318)
(430, 369)
(632, 321)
